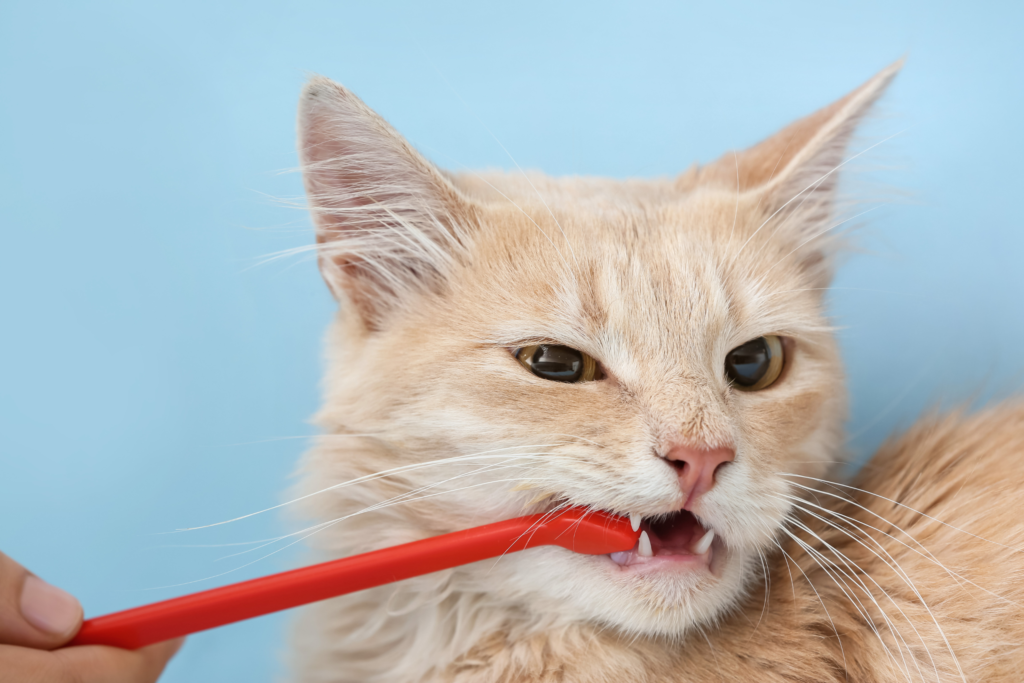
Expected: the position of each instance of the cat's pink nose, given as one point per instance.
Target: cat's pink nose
(697, 467)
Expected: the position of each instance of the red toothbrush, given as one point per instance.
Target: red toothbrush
(576, 529)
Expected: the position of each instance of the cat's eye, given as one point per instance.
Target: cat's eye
(558, 363)
(756, 364)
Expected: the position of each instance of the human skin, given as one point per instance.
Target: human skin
(37, 619)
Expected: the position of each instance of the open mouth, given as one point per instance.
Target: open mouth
(677, 538)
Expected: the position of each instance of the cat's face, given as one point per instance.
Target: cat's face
(448, 283)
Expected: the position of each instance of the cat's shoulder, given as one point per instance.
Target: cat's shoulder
(974, 451)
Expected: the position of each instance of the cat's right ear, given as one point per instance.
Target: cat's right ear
(388, 224)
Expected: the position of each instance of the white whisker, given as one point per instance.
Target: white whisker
(810, 583)
(811, 186)
(925, 515)
(846, 589)
(892, 565)
(377, 475)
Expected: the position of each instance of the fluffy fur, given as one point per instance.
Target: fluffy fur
(431, 425)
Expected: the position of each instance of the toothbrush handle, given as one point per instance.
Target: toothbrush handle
(140, 626)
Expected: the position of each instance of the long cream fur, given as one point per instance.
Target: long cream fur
(909, 573)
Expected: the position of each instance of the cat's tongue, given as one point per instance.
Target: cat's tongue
(675, 535)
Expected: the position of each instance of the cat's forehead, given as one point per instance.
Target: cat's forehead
(567, 193)
(643, 267)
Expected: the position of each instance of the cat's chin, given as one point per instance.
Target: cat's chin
(660, 595)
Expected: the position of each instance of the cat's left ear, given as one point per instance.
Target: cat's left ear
(794, 172)
(388, 223)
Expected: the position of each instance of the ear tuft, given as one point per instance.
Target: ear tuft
(388, 223)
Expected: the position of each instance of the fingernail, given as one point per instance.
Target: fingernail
(49, 608)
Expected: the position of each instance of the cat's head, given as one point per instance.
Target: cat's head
(656, 348)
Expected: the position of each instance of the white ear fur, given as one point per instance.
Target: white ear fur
(388, 223)
(794, 173)
(825, 136)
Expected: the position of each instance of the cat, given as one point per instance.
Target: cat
(511, 343)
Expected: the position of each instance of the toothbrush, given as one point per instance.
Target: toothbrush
(577, 529)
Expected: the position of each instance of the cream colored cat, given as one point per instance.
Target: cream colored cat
(514, 343)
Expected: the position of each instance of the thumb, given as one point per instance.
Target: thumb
(32, 612)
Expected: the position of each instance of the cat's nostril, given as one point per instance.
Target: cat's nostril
(697, 468)
(678, 465)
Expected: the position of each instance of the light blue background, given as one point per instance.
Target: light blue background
(153, 376)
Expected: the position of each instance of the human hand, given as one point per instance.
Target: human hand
(36, 618)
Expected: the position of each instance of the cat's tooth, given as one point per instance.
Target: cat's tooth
(704, 543)
(643, 548)
(620, 558)
(634, 520)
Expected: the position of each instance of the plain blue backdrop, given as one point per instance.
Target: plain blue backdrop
(156, 374)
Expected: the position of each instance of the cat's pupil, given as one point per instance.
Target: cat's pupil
(747, 364)
(558, 363)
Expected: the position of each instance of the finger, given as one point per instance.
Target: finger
(101, 664)
(85, 664)
(32, 612)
